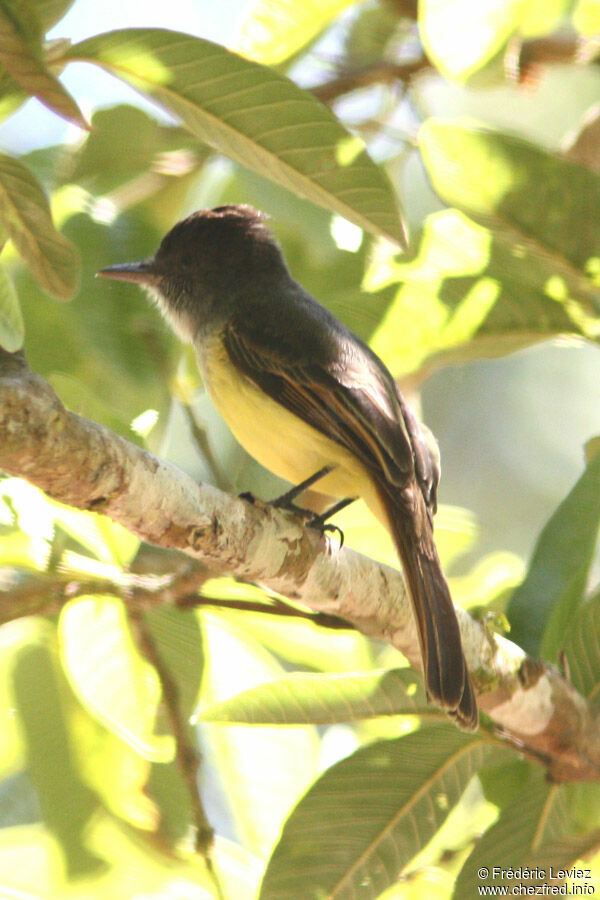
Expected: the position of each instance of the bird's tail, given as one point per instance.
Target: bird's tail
(446, 675)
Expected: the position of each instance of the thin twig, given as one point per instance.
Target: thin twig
(200, 438)
(47, 594)
(186, 754)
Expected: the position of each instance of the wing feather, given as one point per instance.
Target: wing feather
(367, 420)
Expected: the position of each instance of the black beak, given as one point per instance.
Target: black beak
(138, 272)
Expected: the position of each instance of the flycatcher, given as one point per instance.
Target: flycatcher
(302, 393)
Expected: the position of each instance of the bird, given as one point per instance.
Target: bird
(308, 399)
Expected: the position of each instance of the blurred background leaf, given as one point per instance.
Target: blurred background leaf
(546, 602)
(26, 220)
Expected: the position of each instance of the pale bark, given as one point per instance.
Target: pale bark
(85, 465)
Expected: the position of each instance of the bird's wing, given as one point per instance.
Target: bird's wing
(349, 397)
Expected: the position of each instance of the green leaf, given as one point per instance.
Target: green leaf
(273, 30)
(12, 328)
(133, 865)
(368, 815)
(22, 57)
(253, 115)
(582, 650)
(127, 146)
(111, 679)
(50, 12)
(178, 640)
(303, 699)
(467, 291)
(26, 218)
(107, 540)
(544, 203)
(543, 605)
(532, 832)
(374, 29)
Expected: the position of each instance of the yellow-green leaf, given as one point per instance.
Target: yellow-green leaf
(108, 674)
(470, 292)
(463, 36)
(255, 116)
(586, 17)
(315, 699)
(21, 56)
(273, 30)
(26, 218)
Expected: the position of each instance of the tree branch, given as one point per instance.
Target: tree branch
(523, 61)
(83, 464)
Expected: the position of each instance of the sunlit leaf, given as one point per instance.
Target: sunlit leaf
(37, 515)
(238, 869)
(31, 508)
(586, 17)
(114, 771)
(270, 767)
(490, 582)
(469, 292)
(367, 816)
(25, 216)
(303, 698)
(108, 674)
(24, 551)
(542, 607)
(541, 17)
(131, 867)
(456, 531)
(544, 202)
(12, 328)
(253, 115)
(462, 37)
(107, 540)
(273, 30)
(22, 57)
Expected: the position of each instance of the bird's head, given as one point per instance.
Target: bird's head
(204, 264)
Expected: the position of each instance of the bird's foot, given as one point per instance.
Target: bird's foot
(311, 519)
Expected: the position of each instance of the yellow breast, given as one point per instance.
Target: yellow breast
(278, 439)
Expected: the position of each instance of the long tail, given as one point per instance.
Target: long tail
(445, 670)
